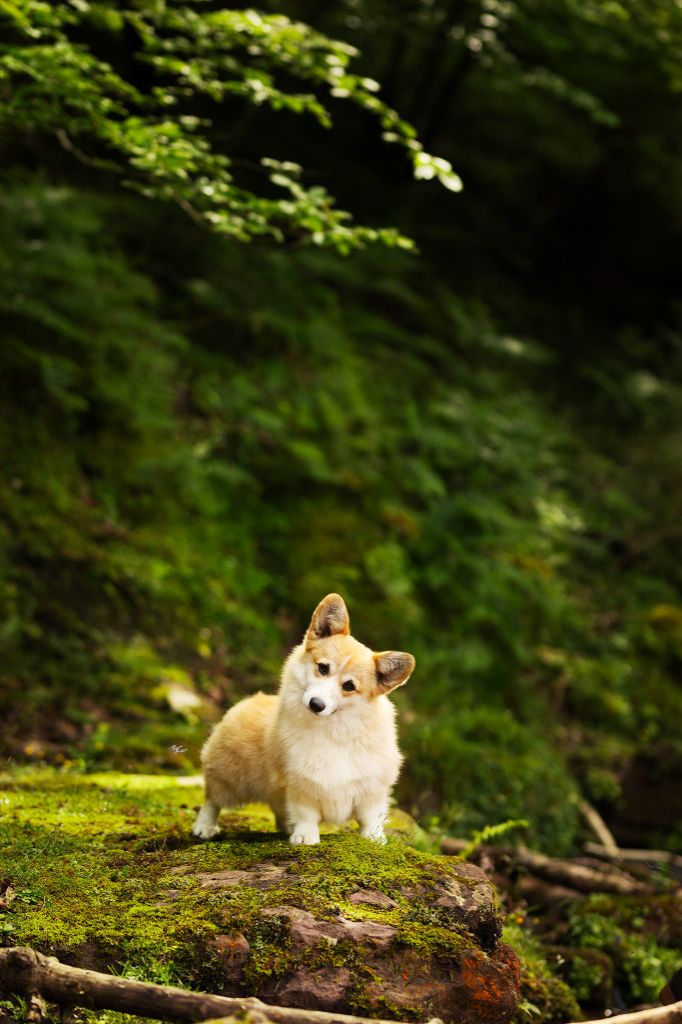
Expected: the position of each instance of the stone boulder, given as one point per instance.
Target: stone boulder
(350, 927)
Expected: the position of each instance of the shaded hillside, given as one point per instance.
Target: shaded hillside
(202, 440)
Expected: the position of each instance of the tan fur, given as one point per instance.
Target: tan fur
(331, 766)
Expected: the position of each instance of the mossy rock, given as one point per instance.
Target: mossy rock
(105, 873)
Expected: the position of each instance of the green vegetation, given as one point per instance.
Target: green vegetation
(544, 995)
(643, 942)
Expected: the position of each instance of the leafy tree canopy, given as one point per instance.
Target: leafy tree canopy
(150, 119)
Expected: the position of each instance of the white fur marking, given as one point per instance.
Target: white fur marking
(305, 821)
(326, 690)
(372, 818)
(205, 827)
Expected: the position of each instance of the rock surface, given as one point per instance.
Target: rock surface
(349, 928)
(345, 926)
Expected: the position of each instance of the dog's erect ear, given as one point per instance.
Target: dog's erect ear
(329, 618)
(393, 668)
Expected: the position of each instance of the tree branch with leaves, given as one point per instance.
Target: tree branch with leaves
(53, 83)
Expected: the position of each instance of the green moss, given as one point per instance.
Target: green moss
(382, 1007)
(270, 952)
(92, 859)
(589, 973)
(435, 939)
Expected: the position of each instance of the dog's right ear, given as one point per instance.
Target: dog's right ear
(329, 618)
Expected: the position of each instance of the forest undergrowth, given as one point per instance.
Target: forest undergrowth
(195, 459)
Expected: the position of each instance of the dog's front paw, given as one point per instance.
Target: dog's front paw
(304, 837)
(204, 831)
(206, 822)
(377, 835)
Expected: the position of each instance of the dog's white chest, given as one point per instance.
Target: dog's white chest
(329, 765)
(337, 777)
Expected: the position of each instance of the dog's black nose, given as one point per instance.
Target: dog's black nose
(316, 705)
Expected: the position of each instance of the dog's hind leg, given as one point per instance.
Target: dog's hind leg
(206, 824)
(281, 823)
(217, 794)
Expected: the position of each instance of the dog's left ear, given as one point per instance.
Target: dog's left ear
(393, 668)
(329, 618)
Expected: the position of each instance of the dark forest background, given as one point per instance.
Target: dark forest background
(477, 444)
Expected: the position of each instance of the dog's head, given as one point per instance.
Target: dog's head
(337, 670)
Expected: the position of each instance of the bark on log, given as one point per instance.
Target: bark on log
(24, 971)
(580, 877)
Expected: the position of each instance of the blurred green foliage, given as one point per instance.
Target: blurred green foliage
(479, 448)
(186, 473)
(643, 965)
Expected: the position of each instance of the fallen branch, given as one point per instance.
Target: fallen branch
(536, 890)
(674, 860)
(599, 827)
(26, 972)
(581, 877)
(671, 1014)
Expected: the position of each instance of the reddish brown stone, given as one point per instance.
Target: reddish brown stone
(373, 898)
(262, 876)
(306, 930)
(474, 989)
(339, 965)
(233, 952)
(327, 988)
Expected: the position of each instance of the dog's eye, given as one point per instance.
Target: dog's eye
(322, 668)
(348, 685)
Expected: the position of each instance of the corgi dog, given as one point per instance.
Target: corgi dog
(324, 748)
